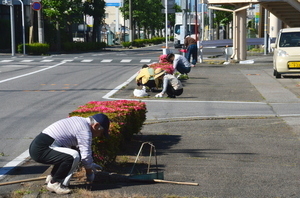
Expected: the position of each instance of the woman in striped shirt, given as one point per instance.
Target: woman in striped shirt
(55, 146)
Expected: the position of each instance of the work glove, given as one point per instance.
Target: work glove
(96, 167)
(90, 177)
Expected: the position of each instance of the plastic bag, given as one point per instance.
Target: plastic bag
(140, 93)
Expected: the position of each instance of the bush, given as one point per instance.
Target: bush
(157, 40)
(126, 44)
(138, 43)
(35, 48)
(127, 118)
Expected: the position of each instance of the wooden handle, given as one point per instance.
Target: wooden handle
(175, 182)
(164, 181)
(22, 180)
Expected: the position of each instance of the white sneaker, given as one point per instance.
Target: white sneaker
(48, 179)
(57, 188)
(159, 95)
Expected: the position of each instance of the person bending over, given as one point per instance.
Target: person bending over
(55, 145)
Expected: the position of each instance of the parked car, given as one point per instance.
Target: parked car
(286, 58)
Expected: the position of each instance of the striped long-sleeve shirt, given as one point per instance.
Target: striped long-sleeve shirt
(73, 132)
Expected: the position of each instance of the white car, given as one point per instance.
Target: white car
(286, 58)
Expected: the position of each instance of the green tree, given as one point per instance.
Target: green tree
(146, 14)
(96, 9)
(63, 14)
(223, 18)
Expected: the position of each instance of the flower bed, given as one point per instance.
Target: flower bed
(163, 64)
(127, 118)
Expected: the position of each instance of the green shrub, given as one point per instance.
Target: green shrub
(158, 40)
(126, 44)
(138, 43)
(35, 48)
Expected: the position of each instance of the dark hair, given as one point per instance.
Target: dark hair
(145, 66)
(169, 56)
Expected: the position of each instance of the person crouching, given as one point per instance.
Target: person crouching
(171, 85)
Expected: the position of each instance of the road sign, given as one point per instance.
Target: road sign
(7, 2)
(36, 6)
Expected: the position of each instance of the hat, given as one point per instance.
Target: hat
(103, 121)
(159, 72)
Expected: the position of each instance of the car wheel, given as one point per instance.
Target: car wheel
(276, 74)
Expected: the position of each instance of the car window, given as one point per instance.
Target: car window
(289, 39)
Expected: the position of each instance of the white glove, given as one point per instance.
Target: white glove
(159, 95)
(90, 177)
(96, 167)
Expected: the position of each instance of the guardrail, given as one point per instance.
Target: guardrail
(224, 47)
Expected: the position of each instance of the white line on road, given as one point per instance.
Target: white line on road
(145, 61)
(23, 75)
(12, 164)
(6, 61)
(126, 61)
(87, 60)
(106, 60)
(26, 61)
(46, 61)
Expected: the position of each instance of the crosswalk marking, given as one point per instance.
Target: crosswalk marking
(126, 61)
(15, 66)
(87, 61)
(145, 60)
(82, 61)
(46, 61)
(106, 61)
(26, 61)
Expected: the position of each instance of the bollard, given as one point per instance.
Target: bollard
(201, 55)
(226, 53)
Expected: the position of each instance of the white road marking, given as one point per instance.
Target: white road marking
(126, 60)
(87, 61)
(23, 75)
(106, 60)
(6, 61)
(145, 61)
(26, 61)
(46, 61)
(12, 164)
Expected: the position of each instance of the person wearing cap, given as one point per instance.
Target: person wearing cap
(171, 85)
(64, 144)
(180, 63)
(192, 49)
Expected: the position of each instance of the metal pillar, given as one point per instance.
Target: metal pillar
(12, 27)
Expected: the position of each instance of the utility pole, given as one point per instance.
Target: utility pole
(12, 25)
(266, 33)
(130, 21)
(23, 27)
(184, 6)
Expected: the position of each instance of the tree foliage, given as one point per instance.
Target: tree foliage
(148, 14)
(63, 12)
(96, 9)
